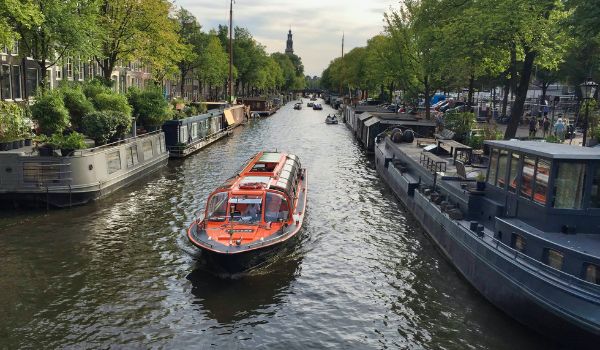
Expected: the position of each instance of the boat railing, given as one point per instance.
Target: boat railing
(46, 174)
(538, 266)
(81, 152)
(180, 148)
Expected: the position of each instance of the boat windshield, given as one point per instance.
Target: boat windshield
(245, 209)
(276, 208)
(217, 207)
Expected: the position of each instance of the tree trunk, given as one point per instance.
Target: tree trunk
(182, 83)
(521, 95)
(505, 93)
(43, 74)
(471, 89)
(427, 102)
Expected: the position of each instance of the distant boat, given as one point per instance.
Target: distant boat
(331, 120)
(309, 104)
(317, 107)
(253, 214)
(298, 106)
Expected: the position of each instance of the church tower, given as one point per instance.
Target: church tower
(289, 49)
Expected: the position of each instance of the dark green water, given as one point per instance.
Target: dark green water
(119, 273)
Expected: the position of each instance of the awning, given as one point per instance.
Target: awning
(372, 121)
(229, 117)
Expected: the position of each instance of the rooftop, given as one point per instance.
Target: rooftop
(548, 150)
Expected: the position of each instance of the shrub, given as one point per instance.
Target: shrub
(104, 126)
(75, 140)
(112, 102)
(94, 88)
(14, 123)
(50, 113)
(476, 141)
(77, 103)
(460, 123)
(150, 108)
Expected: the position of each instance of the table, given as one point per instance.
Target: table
(455, 148)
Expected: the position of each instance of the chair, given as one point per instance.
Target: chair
(461, 172)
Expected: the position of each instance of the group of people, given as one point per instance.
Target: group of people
(559, 128)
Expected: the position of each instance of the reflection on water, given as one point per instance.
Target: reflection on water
(120, 272)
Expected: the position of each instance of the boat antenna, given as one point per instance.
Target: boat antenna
(231, 51)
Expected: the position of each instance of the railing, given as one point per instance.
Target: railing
(45, 174)
(181, 148)
(112, 144)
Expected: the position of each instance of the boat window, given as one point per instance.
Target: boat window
(113, 162)
(553, 258)
(514, 171)
(194, 130)
(592, 273)
(595, 195)
(542, 174)
(217, 207)
(527, 174)
(276, 208)
(148, 150)
(245, 209)
(502, 164)
(518, 242)
(183, 134)
(132, 156)
(493, 165)
(569, 185)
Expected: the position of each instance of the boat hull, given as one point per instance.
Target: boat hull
(520, 293)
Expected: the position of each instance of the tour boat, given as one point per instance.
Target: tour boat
(331, 119)
(253, 214)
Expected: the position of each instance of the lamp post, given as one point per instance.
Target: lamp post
(588, 89)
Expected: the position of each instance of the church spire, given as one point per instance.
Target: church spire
(289, 48)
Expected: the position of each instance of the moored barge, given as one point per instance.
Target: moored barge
(253, 214)
(529, 242)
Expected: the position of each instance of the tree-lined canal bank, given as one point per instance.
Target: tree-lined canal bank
(120, 272)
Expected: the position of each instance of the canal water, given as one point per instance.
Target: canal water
(119, 273)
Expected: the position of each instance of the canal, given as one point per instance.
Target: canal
(119, 273)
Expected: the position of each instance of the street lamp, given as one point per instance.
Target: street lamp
(588, 89)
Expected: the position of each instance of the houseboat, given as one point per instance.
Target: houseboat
(529, 241)
(27, 178)
(264, 107)
(253, 214)
(186, 136)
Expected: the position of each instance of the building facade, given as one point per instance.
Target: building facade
(289, 47)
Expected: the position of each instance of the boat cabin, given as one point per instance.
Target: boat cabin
(554, 187)
(264, 191)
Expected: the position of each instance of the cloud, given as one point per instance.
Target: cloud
(317, 25)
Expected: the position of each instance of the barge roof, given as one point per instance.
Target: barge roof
(548, 150)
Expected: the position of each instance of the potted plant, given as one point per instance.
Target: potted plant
(44, 146)
(480, 178)
(71, 143)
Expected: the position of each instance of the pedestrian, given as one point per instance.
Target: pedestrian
(532, 127)
(546, 126)
(546, 108)
(559, 130)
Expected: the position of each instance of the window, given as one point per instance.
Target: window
(553, 258)
(80, 70)
(493, 165)
(194, 131)
(41, 172)
(5, 85)
(91, 69)
(514, 172)
(132, 156)
(245, 209)
(113, 161)
(502, 163)
(542, 174)
(276, 208)
(162, 144)
(4, 50)
(183, 134)
(147, 148)
(569, 185)
(69, 68)
(59, 72)
(16, 75)
(518, 242)
(15, 48)
(592, 273)
(527, 174)
(216, 209)
(595, 195)
(31, 81)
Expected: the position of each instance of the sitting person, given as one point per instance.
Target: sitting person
(252, 211)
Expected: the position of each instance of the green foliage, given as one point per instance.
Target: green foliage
(94, 88)
(76, 103)
(111, 101)
(460, 123)
(16, 13)
(50, 113)
(150, 108)
(553, 139)
(14, 123)
(73, 141)
(476, 141)
(104, 126)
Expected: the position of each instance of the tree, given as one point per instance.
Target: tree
(14, 13)
(133, 29)
(214, 63)
(193, 40)
(68, 29)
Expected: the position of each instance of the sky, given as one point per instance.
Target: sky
(317, 25)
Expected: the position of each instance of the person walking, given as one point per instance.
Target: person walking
(532, 127)
(559, 130)
(546, 126)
